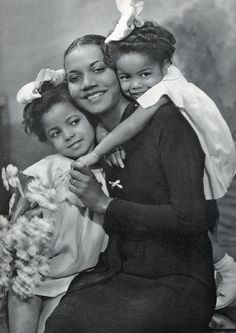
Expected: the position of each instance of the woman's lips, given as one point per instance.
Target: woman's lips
(95, 96)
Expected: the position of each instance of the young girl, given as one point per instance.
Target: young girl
(78, 237)
(149, 78)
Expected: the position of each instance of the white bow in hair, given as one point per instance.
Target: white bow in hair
(27, 93)
(128, 20)
(30, 91)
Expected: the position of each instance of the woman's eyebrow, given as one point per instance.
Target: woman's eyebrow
(72, 71)
(94, 63)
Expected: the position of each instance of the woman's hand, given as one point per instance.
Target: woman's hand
(84, 184)
(116, 158)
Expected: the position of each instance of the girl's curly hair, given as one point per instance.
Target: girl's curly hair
(151, 39)
(50, 96)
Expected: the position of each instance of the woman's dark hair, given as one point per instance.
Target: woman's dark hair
(50, 95)
(151, 39)
(86, 40)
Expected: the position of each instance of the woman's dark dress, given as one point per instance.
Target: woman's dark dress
(164, 281)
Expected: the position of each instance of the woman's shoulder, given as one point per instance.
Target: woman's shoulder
(167, 114)
(169, 118)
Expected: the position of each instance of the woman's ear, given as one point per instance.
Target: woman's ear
(165, 67)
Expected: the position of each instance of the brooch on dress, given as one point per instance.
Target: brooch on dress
(116, 183)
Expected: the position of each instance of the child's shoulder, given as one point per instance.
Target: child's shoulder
(49, 168)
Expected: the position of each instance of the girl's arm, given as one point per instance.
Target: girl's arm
(182, 161)
(123, 132)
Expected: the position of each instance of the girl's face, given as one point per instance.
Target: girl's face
(137, 73)
(68, 130)
(92, 85)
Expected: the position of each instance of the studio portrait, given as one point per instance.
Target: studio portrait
(118, 166)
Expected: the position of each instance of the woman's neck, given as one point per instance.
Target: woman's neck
(112, 117)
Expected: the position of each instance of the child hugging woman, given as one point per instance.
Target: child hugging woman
(78, 236)
(142, 59)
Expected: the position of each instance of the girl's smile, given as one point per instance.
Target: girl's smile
(137, 73)
(68, 130)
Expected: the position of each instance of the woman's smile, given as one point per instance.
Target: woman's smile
(92, 84)
(95, 96)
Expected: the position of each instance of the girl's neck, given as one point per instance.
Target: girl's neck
(112, 117)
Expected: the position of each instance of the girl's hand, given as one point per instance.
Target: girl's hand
(116, 158)
(88, 159)
(49, 75)
(84, 184)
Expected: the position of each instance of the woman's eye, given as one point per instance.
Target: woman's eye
(74, 78)
(99, 69)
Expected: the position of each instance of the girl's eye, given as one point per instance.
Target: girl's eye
(124, 77)
(54, 134)
(145, 74)
(74, 78)
(75, 122)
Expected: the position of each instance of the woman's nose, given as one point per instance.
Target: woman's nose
(88, 82)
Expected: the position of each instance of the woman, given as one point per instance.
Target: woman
(158, 272)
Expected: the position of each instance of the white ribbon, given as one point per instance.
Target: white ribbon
(30, 91)
(115, 184)
(128, 20)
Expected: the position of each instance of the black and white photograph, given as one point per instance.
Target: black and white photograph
(118, 166)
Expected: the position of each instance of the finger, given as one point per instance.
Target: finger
(115, 159)
(107, 162)
(78, 176)
(120, 162)
(84, 169)
(118, 158)
(75, 189)
(112, 159)
(123, 154)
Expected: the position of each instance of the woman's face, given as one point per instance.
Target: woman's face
(92, 85)
(68, 130)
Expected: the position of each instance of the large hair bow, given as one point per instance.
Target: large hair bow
(30, 91)
(128, 20)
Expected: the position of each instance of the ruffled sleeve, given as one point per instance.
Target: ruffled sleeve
(206, 120)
